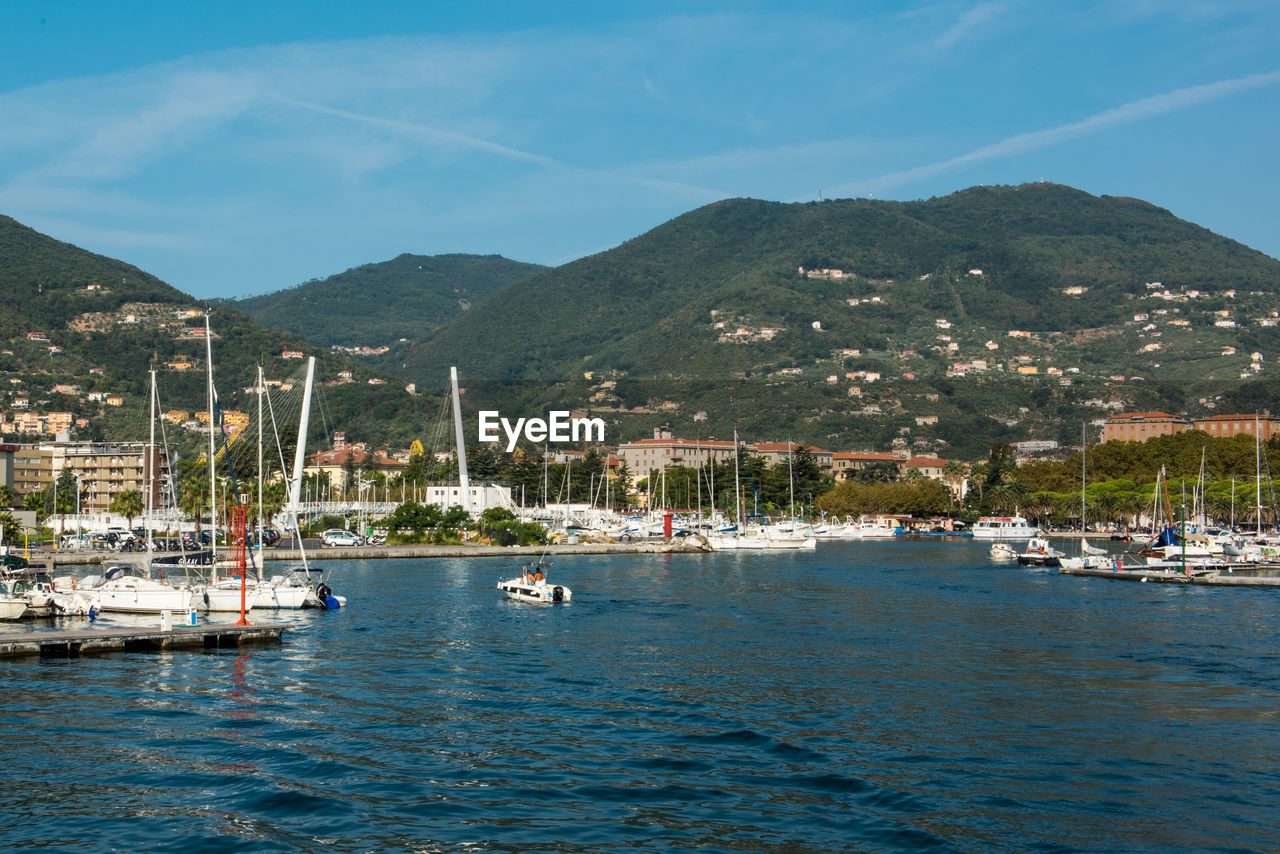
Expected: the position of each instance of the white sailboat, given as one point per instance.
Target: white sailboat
(738, 541)
(292, 590)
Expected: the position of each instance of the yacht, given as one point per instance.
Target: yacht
(1004, 528)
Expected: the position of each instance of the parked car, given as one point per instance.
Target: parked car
(338, 537)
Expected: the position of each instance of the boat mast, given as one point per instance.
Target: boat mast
(462, 449)
(261, 388)
(300, 452)
(737, 488)
(150, 468)
(791, 478)
(1257, 462)
(213, 484)
(1084, 480)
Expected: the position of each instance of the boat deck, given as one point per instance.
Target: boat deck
(72, 644)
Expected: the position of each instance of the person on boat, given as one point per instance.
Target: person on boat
(538, 575)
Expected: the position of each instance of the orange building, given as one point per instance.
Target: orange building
(1141, 426)
(1223, 426)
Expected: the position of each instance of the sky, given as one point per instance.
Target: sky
(239, 148)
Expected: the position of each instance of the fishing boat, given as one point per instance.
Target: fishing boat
(532, 587)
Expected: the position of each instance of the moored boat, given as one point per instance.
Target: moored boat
(1004, 528)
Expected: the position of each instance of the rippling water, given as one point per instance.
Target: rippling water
(895, 696)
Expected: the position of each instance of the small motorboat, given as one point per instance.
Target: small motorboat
(1040, 552)
(532, 587)
(1003, 552)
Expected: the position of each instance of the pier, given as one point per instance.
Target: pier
(73, 644)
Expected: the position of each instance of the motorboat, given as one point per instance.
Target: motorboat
(13, 606)
(879, 528)
(44, 598)
(532, 587)
(1039, 552)
(1004, 528)
(1003, 552)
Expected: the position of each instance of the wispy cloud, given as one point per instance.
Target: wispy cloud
(967, 22)
(1146, 108)
(431, 134)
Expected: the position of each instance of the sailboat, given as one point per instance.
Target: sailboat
(292, 590)
(119, 588)
(737, 541)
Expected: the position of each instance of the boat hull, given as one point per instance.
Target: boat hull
(535, 592)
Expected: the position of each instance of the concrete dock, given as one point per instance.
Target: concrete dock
(73, 644)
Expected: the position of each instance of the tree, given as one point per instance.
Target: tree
(6, 495)
(127, 504)
(10, 529)
(192, 498)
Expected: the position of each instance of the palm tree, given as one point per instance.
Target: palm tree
(192, 498)
(6, 495)
(954, 474)
(127, 504)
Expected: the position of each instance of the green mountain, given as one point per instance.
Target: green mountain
(375, 305)
(78, 328)
(725, 313)
(993, 314)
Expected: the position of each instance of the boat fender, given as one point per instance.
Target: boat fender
(557, 594)
(332, 603)
(322, 592)
(206, 597)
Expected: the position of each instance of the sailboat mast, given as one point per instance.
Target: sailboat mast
(261, 384)
(213, 483)
(462, 449)
(1257, 462)
(1084, 479)
(151, 473)
(300, 452)
(737, 487)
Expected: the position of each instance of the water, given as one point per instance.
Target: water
(898, 696)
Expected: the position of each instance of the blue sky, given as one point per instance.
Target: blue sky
(239, 148)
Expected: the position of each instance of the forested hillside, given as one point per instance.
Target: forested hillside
(376, 305)
(82, 332)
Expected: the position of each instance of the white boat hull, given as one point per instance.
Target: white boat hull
(12, 608)
(535, 592)
(224, 597)
(131, 595)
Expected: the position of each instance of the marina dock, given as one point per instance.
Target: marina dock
(1244, 577)
(78, 642)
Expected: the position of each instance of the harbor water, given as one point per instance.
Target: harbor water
(879, 696)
